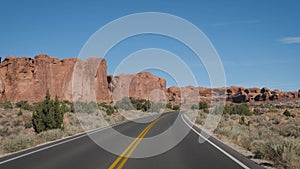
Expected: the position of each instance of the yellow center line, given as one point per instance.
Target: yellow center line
(133, 145)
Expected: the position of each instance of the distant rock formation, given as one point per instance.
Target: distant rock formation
(241, 96)
(73, 79)
(142, 85)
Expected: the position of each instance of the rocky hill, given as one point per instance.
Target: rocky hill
(28, 79)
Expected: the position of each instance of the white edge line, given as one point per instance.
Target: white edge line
(57, 144)
(66, 141)
(217, 147)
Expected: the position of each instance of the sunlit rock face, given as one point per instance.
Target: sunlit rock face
(29, 79)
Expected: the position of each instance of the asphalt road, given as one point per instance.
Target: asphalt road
(84, 152)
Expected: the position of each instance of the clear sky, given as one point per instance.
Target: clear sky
(258, 41)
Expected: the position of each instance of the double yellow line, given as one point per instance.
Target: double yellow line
(132, 146)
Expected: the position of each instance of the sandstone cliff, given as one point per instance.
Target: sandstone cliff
(28, 79)
(74, 79)
(142, 85)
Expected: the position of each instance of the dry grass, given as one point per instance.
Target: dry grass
(15, 137)
(270, 136)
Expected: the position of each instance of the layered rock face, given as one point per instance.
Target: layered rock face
(142, 85)
(74, 79)
(90, 81)
(188, 94)
(28, 79)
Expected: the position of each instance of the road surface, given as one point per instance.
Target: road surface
(81, 152)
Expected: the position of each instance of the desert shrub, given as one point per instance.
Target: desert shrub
(110, 110)
(146, 105)
(4, 131)
(141, 104)
(218, 109)
(156, 107)
(228, 109)
(242, 109)
(18, 142)
(169, 106)
(103, 104)
(257, 111)
(47, 115)
(282, 151)
(20, 113)
(67, 102)
(28, 125)
(73, 126)
(64, 107)
(243, 121)
(176, 107)
(7, 105)
(203, 106)
(24, 105)
(194, 107)
(130, 103)
(124, 104)
(72, 108)
(200, 118)
(287, 113)
(84, 107)
(50, 135)
(289, 130)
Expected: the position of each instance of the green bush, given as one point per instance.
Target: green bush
(50, 135)
(28, 125)
(287, 113)
(176, 107)
(203, 106)
(24, 105)
(242, 109)
(194, 107)
(20, 113)
(243, 122)
(7, 105)
(64, 107)
(169, 106)
(124, 104)
(103, 104)
(72, 108)
(130, 103)
(109, 110)
(47, 115)
(140, 104)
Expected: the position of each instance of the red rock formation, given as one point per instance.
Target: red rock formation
(142, 85)
(69, 79)
(184, 95)
(90, 81)
(241, 96)
(28, 79)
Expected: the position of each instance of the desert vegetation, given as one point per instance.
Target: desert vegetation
(271, 132)
(26, 124)
(130, 103)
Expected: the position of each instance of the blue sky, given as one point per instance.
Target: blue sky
(257, 41)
